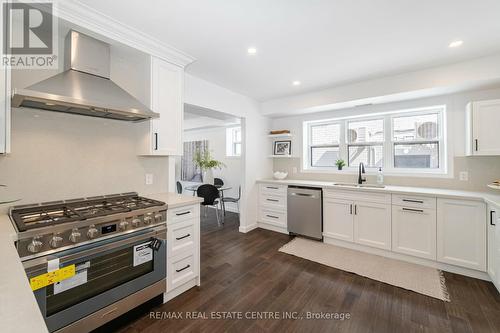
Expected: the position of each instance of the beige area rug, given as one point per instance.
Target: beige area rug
(421, 279)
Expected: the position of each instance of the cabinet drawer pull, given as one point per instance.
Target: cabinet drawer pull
(414, 201)
(491, 217)
(183, 213)
(273, 200)
(272, 188)
(272, 216)
(413, 210)
(477, 144)
(185, 236)
(180, 270)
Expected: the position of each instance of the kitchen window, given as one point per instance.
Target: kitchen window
(233, 141)
(407, 141)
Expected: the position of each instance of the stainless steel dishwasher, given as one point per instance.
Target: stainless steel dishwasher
(304, 212)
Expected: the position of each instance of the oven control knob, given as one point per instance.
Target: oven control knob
(158, 218)
(35, 245)
(55, 241)
(148, 219)
(136, 222)
(123, 225)
(92, 232)
(75, 236)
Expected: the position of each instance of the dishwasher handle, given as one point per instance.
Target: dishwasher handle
(303, 194)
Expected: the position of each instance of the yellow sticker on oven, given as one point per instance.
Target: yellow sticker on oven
(52, 277)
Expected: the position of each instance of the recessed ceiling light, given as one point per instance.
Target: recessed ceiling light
(252, 50)
(456, 43)
(296, 83)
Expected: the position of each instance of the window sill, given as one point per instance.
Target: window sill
(390, 173)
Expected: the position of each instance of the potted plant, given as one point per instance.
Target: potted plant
(206, 163)
(340, 164)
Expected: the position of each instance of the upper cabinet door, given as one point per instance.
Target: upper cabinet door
(482, 128)
(167, 87)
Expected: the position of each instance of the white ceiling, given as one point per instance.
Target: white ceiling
(197, 118)
(322, 43)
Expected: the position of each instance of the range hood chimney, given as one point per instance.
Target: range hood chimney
(84, 87)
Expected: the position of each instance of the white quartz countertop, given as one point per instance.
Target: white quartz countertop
(19, 310)
(490, 198)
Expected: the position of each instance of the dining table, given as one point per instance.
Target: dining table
(194, 187)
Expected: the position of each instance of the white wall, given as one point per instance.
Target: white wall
(482, 170)
(256, 164)
(231, 174)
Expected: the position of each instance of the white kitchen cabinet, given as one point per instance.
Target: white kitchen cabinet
(482, 122)
(360, 217)
(372, 224)
(272, 207)
(164, 134)
(414, 231)
(338, 219)
(461, 233)
(493, 255)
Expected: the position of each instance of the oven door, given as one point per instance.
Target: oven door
(106, 272)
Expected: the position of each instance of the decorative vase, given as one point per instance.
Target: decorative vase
(208, 176)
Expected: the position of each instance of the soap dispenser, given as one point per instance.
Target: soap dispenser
(380, 176)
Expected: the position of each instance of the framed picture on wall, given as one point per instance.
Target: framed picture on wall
(283, 147)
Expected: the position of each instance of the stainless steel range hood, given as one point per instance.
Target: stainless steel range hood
(84, 87)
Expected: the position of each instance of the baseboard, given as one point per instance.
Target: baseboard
(248, 228)
(271, 227)
(399, 256)
(179, 290)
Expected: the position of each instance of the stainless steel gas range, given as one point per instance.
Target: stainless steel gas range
(89, 260)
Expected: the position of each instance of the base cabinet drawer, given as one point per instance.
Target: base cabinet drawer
(273, 202)
(461, 233)
(181, 269)
(182, 237)
(414, 231)
(272, 217)
(179, 214)
(273, 189)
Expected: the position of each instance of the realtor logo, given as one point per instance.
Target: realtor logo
(29, 39)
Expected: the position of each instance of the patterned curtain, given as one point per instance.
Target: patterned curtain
(189, 171)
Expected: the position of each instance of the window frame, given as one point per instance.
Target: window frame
(311, 147)
(388, 145)
(231, 141)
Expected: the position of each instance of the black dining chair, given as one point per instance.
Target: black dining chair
(210, 195)
(235, 200)
(218, 182)
(179, 187)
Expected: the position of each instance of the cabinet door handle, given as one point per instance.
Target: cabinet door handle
(180, 270)
(185, 236)
(271, 188)
(273, 200)
(156, 141)
(477, 144)
(491, 217)
(272, 216)
(413, 210)
(183, 213)
(351, 209)
(414, 201)
(355, 209)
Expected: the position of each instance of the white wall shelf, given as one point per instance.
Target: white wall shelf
(277, 136)
(282, 156)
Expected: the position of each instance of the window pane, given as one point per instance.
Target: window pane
(365, 131)
(326, 134)
(421, 127)
(237, 135)
(421, 155)
(237, 149)
(371, 156)
(324, 156)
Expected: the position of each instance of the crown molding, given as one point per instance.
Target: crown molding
(88, 18)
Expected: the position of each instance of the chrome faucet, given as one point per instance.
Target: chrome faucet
(361, 170)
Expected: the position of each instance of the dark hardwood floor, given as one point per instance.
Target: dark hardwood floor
(245, 272)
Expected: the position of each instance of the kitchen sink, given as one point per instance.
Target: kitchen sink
(359, 185)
